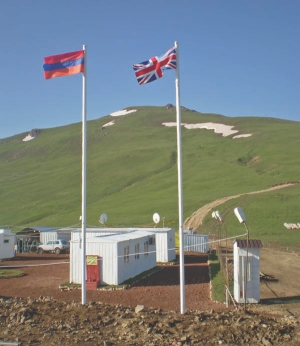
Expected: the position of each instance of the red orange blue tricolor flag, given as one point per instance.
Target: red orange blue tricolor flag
(64, 64)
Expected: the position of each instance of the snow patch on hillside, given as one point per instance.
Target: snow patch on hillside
(109, 124)
(225, 130)
(31, 135)
(27, 138)
(242, 136)
(122, 112)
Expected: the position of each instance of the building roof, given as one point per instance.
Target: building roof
(118, 230)
(117, 237)
(34, 229)
(242, 243)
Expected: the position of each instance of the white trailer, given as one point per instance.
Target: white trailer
(7, 244)
(164, 239)
(122, 256)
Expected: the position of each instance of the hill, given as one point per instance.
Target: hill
(132, 171)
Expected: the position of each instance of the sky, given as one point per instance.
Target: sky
(236, 58)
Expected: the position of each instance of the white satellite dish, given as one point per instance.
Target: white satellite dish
(219, 216)
(103, 218)
(239, 213)
(156, 218)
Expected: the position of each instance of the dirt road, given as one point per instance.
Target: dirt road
(196, 219)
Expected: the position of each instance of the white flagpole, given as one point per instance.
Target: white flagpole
(180, 203)
(83, 215)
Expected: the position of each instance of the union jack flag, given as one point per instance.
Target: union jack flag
(152, 69)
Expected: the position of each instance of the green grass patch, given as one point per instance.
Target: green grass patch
(218, 281)
(265, 214)
(10, 273)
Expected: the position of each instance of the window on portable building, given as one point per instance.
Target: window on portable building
(146, 248)
(126, 254)
(152, 240)
(137, 251)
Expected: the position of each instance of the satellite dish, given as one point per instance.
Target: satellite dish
(156, 218)
(239, 213)
(103, 218)
(219, 216)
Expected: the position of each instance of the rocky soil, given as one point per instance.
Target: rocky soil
(46, 321)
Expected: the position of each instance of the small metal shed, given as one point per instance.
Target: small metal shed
(195, 242)
(247, 271)
(122, 256)
(7, 243)
(40, 234)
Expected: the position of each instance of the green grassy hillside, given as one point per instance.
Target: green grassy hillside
(265, 215)
(132, 171)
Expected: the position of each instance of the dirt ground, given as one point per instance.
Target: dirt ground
(283, 294)
(35, 311)
(45, 273)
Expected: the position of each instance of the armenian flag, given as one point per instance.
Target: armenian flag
(63, 64)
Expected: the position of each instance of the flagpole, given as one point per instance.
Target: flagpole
(180, 203)
(83, 215)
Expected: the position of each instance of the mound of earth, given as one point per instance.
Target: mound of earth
(46, 321)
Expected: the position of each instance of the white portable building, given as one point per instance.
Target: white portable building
(247, 271)
(7, 243)
(165, 243)
(195, 242)
(47, 234)
(122, 256)
(164, 239)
